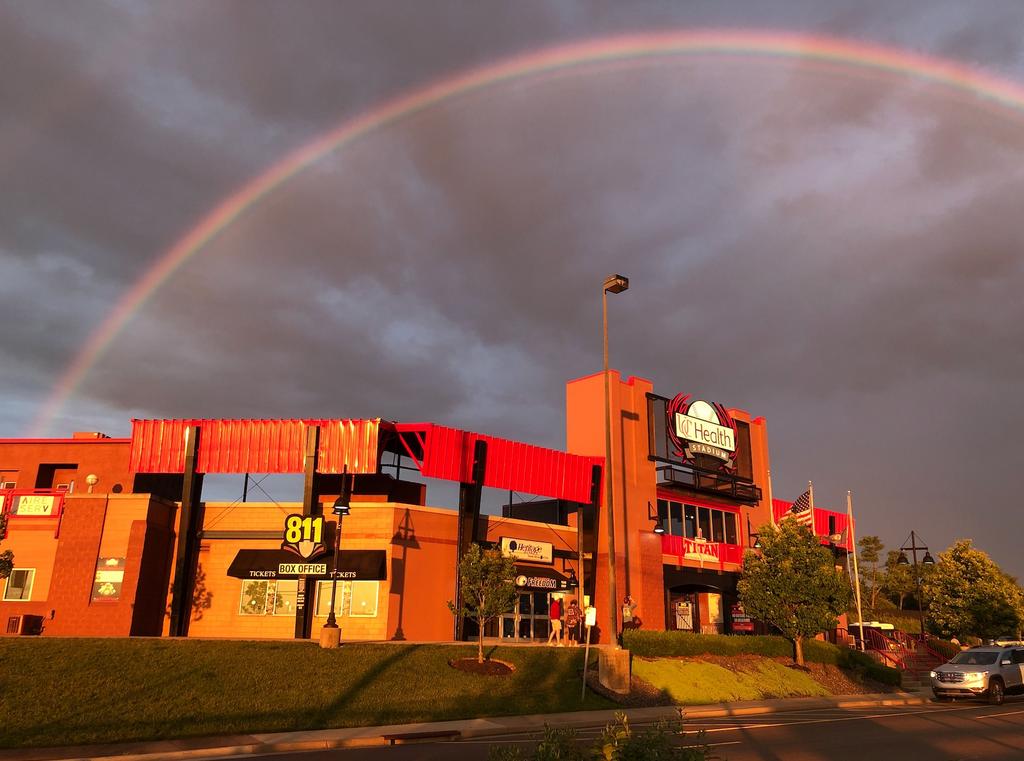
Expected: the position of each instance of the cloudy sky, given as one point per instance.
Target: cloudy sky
(831, 247)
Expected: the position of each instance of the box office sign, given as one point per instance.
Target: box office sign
(527, 549)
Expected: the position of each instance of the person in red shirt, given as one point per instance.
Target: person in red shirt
(555, 614)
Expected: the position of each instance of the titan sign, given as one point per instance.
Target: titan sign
(701, 428)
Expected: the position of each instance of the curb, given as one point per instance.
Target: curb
(488, 727)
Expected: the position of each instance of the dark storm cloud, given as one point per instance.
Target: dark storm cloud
(835, 250)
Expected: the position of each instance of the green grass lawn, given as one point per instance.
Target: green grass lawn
(81, 691)
(695, 682)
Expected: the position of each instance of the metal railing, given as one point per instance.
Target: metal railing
(897, 649)
(701, 551)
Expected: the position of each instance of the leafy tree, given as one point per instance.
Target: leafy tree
(6, 557)
(793, 584)
(870, 554)
(487, 584)
(898, 579)
(970, 595)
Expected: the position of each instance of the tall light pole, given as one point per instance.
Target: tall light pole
(341, 509)
(926, 560)
(612, 284)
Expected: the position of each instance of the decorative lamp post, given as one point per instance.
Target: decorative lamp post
(330, 636)
(914, 548)
(612, 284)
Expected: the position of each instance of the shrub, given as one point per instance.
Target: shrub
(946, 649)
(617, 742)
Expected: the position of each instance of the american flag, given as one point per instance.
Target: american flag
(801, 510)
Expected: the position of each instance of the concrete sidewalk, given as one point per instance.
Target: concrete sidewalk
(197, 749)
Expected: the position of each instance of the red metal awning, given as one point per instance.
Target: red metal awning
(447, 453)
(278, 446)
(255, 446)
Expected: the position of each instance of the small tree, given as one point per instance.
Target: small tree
(793, 584)
(870, 554)
(898, 579)
(6, 557)
(970, 595)
(487, 586)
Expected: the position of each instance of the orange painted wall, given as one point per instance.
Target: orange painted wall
(637, 548)
(92, 526)
(105, 458)
(639, 560)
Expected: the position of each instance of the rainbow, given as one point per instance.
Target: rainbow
(958, 77)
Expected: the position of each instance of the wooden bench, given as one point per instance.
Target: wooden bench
(411, 737)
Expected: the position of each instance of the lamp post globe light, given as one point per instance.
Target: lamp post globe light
(612, 284)
(914, 547)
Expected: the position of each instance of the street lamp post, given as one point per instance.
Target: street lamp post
(341, 509)
(612, 284)
(926, 560)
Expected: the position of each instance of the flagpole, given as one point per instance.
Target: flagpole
(810, 499)
(856, 570)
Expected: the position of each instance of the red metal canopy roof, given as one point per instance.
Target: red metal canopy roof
(255, 446)
(278, 446)
(447, 453)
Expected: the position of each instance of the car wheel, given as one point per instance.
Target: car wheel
(943, 698)
(996, 694)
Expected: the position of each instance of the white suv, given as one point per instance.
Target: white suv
(991, 671)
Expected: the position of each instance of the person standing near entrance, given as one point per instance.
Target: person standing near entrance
(573, 614)
(629, 619)
(555, 613)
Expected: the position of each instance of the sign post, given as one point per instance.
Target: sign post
(590, 618)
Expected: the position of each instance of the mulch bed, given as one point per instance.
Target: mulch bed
(487, 668)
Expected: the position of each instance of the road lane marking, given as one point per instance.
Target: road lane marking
(997, 715)
(839, 719)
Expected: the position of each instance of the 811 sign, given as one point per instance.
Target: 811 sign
(304, 535)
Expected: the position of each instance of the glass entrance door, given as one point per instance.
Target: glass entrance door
(529, 619)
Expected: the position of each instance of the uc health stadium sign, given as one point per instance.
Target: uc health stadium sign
(701, 428)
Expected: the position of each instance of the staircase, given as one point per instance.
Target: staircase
(916, 665)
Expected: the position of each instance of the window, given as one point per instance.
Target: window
(19, 584)
(353, 598)
(704, 522)
(717, 526)
(690, 522)
(268, 598)
(730, 528)
(323, 598)
(363, 599)
(1018, 656)
(676, 526)
(663, 513)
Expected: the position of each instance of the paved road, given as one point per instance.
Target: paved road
(943, 732)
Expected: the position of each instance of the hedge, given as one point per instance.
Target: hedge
(657, 644)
